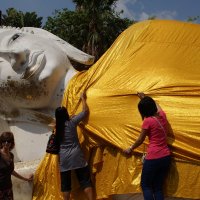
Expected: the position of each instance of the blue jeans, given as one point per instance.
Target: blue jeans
(153, 176)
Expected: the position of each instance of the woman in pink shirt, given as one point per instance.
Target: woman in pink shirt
(157, 161)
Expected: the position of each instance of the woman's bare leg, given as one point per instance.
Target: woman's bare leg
(89, 193)
(66, 195)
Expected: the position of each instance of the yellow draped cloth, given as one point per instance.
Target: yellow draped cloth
(162, 59)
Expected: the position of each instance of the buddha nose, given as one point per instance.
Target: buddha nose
(18, 59)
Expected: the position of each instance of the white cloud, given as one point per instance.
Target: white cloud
(166, 14)
(125, 5)
(143, 16)
(128, 5)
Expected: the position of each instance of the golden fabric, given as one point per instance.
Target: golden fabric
(162, 59)
(47, 179)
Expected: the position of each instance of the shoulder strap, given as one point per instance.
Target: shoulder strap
(160, 125)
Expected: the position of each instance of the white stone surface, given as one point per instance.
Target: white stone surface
(34, 71)
(23, 190)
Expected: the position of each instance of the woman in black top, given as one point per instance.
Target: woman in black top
(7, 166)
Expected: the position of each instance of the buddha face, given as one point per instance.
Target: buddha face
(31, 67)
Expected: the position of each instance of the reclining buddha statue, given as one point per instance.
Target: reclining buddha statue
(157, 57)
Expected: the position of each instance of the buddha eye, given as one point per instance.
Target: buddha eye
(14, 37)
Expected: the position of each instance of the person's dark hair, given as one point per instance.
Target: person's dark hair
(147, 107)
(61, 116)
(7, 136)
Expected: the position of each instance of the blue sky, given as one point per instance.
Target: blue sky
(133, 9)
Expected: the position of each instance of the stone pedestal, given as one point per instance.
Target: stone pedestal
(23, 189)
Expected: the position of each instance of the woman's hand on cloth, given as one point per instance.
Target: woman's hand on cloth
(128, 151)
(83, 95)
(30, 178)
(141, 95)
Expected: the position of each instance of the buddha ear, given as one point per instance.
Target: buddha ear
(75, 54)
(72, 52)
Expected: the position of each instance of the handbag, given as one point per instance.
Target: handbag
(53, 146)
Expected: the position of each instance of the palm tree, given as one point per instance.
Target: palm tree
(98, 12)
(92, 27)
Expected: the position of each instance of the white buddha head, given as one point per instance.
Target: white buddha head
(34, 70)
(33, 62)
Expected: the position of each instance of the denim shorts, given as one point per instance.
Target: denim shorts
(83, 175)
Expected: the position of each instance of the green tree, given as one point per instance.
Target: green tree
(19, 19)
(0, 18)
(193, 19)
(104, 24)
(30, 19)
(12, 18)
(68, 25)
(92, 27)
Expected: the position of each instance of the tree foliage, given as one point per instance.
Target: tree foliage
(92, 27)
(19, 19)
(30, 19)
(69, 25)
(193, 19)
